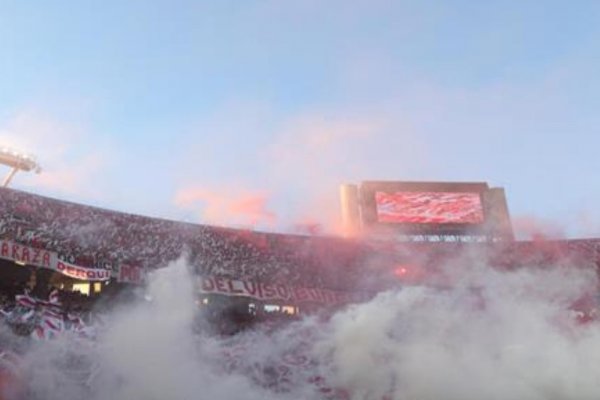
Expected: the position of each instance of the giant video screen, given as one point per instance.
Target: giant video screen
(428, 207)
(422, 208)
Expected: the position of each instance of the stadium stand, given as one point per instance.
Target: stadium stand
(99, 238)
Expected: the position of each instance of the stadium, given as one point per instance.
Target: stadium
(64, 265)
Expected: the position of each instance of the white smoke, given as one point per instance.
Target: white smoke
(148, 351)
(512, 338)
(493, 335)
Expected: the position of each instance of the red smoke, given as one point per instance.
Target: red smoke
(227, 207)
(533, 228)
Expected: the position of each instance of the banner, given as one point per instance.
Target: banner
(131, 274)
(27, 255)
(82, 273)
(46, 259)
(278, 291)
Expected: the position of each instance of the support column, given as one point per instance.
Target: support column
(10, 176)
(350, 209)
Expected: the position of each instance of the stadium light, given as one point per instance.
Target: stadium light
(17, 161)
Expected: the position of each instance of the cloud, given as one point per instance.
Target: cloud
(67, 179)
(71, 160)
(224, 206)
(312, 155)
(299, 159)
(387, 123)
(318, 137)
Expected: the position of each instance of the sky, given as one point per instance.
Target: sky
(251, 113)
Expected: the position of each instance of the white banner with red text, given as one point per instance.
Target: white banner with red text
(278, 291)
(41, 258)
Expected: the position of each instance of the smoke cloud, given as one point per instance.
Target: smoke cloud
(295, 162)
(529, 227)
(513, 338)
(228, 207)
(493, 335)
(145, 351)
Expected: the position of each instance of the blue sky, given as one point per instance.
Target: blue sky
(252, 112)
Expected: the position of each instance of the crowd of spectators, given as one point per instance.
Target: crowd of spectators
(71, 301)
(99, 238)
(94, 237)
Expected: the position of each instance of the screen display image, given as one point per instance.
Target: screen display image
(429, 208)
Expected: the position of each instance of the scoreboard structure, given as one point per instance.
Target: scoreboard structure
(426, 210)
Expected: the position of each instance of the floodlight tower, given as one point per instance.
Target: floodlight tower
(17, 161)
